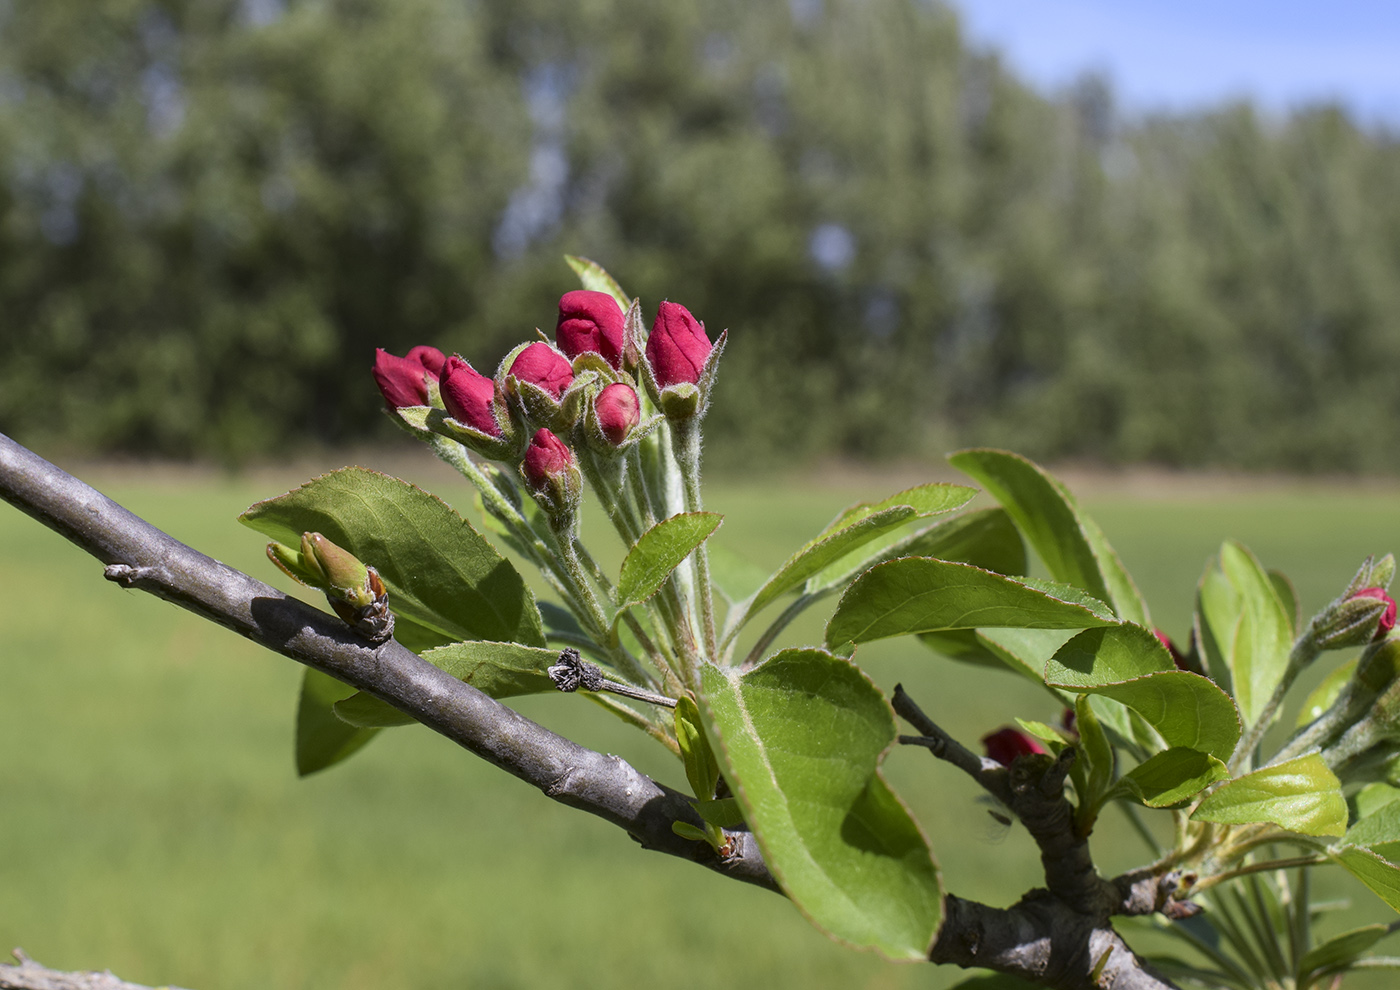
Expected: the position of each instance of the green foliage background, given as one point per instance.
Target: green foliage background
(211, 212)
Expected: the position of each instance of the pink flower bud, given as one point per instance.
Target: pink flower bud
(429, 357)
(1006, 744)
(403, 380)
(590, 322)
(1177, 657)
(677, 347)
(470, 397)
(618, 411)
(542, 365)
(1388, 616)
(546, 458)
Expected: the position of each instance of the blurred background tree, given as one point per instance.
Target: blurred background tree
(212, 211)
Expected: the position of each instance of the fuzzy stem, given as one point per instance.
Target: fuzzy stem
(686, 439)
(1304, 652)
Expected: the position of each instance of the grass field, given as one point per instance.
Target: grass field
(151, 821)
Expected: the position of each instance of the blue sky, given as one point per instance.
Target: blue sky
(1185, 54)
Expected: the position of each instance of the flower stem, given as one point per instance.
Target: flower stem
(1304, 652)
(685, 438)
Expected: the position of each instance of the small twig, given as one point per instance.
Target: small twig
(988, 773)
(1269, 864)
(573, 672)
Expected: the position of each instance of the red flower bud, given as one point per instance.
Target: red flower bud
(677, 347)
(429, 357)
(542, 365)
(1006, 744)
(1388, 616)
(590, 322)
(618, 411)
(403, 380)
(1177, 657)
(546, 458)
(470, 397)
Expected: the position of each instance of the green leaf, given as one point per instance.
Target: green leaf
(368, 712)
(1372, 798)
(1338, 951)
(1096, 751)
(1288, 598)
(322, 739)
(1185, 709)
(734, 576)
(1072, 546)
(800, 739)
(445, 582)
(1104, 656)
(1302, 795)
(1024, 650)
(721, 812)
(1377, 873)
(986, 539)
(502, 670)
(1322, 696)
(660, 551)
(919, 594)
(1378, 828)
(851, 530)
(701, 768)
(1250, 630)
(1171, 777)
(593, 277)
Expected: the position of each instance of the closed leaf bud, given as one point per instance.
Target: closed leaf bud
(544, 367)
(403, 381)
(1006, 744)
(470, 397)
(678, 347)
(590, 322)
(619, 411)
(353, 590)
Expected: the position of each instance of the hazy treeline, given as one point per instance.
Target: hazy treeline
(212, 211)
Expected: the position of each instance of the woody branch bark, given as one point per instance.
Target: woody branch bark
(1043, 938)
(140, 556)
(1061, 935)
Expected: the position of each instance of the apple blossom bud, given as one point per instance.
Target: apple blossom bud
(677, 347)
(1006, 744)
(552, 475)
(543, 366)
(618, 410)
(469, 396)
(1360, 618)
(1387, 620)
(590, 322)
(429, 357)
(403, 380)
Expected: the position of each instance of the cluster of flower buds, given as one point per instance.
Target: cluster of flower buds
(353, 589)
(584, 388)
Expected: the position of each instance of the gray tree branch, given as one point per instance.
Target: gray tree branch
(1045, 938)
(138, 555)
(29, 975)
